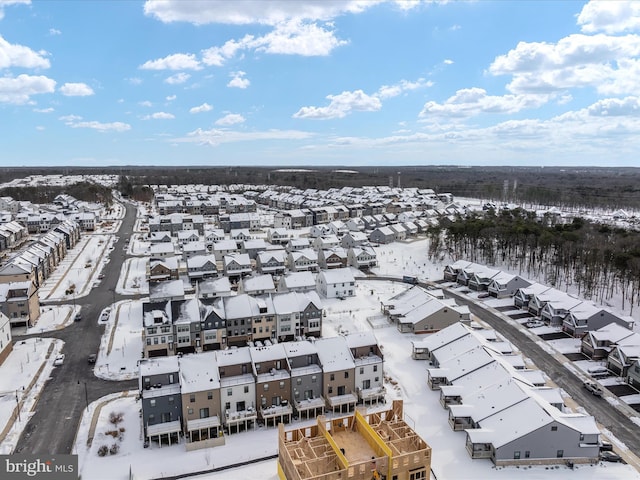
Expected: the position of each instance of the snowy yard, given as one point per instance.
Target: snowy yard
(133, 277)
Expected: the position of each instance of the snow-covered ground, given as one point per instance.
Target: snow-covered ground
(122, 345)
(52, 317)
(22, 376)
(406, 379)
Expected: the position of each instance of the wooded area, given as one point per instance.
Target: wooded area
(597, 260)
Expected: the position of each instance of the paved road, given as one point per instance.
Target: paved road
(611, 418)
(53, 426)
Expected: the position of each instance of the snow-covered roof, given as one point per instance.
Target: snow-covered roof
(334, 354)
(233, 356)
(268, 353)
(337, 275)
(298, 349)
(199, 372)
(361, 339)
(298, 279)
(158, 366)
(258, 282)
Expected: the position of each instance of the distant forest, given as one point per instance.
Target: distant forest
(574, 187)
(599, 261)
(86, 191)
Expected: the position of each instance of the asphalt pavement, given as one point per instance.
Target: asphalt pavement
(72, 386)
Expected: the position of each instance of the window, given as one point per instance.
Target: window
(560, 453)
(346, 374)
(516, 455)
(527, 454)
(375, 368)
(281, 385)
(266, 387)
(314, 379)
(361, 370)
(332, 377)
(417, 474)
(330, 390)
(227, 405)
(170, 400)
(229, 392)
(190, 411)
(192, 398)
(554, 429)
(298, 381)
(246, 389)
(152, 403)
(209, 395)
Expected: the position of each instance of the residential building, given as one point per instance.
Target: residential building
(337, 283)
(338, 372)
(161, 402)
(6, 344)
(273, 383)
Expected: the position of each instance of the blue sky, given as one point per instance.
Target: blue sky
(319, 82)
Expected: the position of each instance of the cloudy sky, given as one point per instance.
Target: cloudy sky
(319, 82)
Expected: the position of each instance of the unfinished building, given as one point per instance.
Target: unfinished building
(361, 446)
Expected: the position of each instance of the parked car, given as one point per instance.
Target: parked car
(610, 456)
(484, 295)
(59, 360)
(594, 388)
(92, 358)
(104, 316)
(78, 317)
(534, 324)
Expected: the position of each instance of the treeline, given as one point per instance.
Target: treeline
(597, 261)
(132, 187)
(88, 192)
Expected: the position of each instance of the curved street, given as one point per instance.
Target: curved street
(71, 386)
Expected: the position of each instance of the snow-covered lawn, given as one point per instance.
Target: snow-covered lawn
(631, 399)
(121, 343)
(53, 317)
(133, 277)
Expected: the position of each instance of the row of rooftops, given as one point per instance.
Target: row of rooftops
(205, 371)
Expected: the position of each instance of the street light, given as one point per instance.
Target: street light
(86, 395)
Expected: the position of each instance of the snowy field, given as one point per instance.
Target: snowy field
(133, 277)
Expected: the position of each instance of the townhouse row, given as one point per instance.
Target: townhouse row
(22, 274)
(505, 410)
(556, 308)
(176, 324)
(200, 396)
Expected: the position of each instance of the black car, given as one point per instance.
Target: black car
(609, 456)
(92, 358)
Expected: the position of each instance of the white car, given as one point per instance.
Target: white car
(59, 360)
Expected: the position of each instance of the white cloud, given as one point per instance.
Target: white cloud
(171, 98)
(448, 61)
(54, 31)
(238, 80)
(298, 38)
(468, 102)
(43, 110)
(217, 56)
(40, 128)
(176, 61)
(145, 103)
(5, 3)
(341, 105)
(615, 107)
(247, 12)
(18, 90)
(159, 116)
(205, 107)
(216, 136)
(177, 79)
(12, 55)
(230, 119)
(73, 121)
(134, 80)
(76, 90)
(347, 102)
(601, 61)
(610, 16)
(403, 86)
